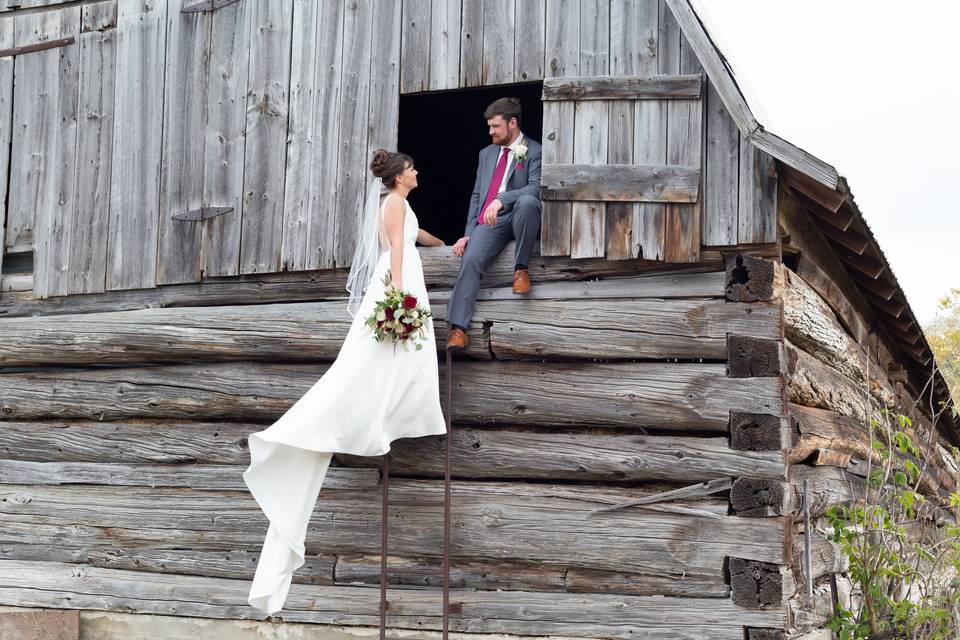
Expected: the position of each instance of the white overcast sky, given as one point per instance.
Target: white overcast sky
(871, 88)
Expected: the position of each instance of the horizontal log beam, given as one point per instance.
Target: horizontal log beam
(620, 182)
(58, 585)
(642, 394)
(440, 266)
(514, 521)
(657, 87)
(615, 328)
(133, 454)
(353, 569)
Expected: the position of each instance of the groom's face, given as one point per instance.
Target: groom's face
(502, 132)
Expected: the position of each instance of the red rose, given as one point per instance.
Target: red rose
(409, 302)
(389, 312)
(408, 327)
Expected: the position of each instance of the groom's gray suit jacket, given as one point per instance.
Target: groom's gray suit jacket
(520, 180)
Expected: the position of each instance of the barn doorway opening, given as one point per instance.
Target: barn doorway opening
(444, 131)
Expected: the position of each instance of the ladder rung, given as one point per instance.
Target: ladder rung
(417, 571)
(416, 503)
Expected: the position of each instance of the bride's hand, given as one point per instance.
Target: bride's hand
(397, 283)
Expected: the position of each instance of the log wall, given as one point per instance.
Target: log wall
(601, 432)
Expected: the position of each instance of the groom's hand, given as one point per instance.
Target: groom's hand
(490, 213)
(461, 245)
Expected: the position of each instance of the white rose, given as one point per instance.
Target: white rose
(521, 151)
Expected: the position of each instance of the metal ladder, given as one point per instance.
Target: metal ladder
(444, 569)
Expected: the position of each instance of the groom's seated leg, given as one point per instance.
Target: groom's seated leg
(526, 228)
(485, 244)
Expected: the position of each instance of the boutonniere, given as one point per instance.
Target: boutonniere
(520, 154)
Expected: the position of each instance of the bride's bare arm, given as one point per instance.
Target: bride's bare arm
(394, 212)
(428, 239)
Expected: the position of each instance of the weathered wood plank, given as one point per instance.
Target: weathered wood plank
(557, 148)
(51, 584)
(498, 42)
(445, 43)
(631, 88)
(32, 104)
(684, 146)
(90, 223)
(591, 128)
(226, 137)
(310, 193)
(353, 161)
(184, 143)
(588, 219)
(563, 38)
(137, 149)
(6, 136)
(498, 520)
(721, 173)
(530, 37)
(471, 44)
(46, 94)
(620, 182)
(268, 89)
(757, 217)
(415, 52)
(665, 395)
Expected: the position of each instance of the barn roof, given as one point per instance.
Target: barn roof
(837, 213)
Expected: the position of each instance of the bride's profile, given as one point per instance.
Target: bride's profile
(372, 394)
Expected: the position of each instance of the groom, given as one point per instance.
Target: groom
(504, 206)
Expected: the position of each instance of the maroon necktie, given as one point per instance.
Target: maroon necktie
(495, 181)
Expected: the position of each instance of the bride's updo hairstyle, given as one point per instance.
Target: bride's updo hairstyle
(387, 165)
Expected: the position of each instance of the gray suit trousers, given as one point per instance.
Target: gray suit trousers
(520, 223)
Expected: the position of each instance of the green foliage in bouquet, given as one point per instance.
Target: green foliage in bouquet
(398, 317)
(903, 550)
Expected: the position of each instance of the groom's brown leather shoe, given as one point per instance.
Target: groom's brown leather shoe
(521, 281)
(457, 340)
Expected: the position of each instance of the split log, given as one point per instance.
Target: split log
(663, 395)
(440, 265)
(474, 453)
(596, 615)
(812, 383)
(314, 331)
(548, 524)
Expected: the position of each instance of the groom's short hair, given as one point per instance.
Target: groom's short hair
(506, 107)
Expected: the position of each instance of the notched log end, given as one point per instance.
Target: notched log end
(750, 357)
(756, 432)
(749, 279)
(758, 497)
(755, 584)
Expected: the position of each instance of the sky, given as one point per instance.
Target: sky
(871, 88)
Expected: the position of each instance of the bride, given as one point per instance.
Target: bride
(371, 395)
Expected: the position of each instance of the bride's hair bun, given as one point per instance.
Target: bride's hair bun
(387, 165)
(381, 159)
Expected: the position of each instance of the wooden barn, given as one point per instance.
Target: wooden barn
(712, 323)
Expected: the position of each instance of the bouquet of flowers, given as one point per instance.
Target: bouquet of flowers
(398, 317)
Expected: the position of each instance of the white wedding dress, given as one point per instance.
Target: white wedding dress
(371, 395)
